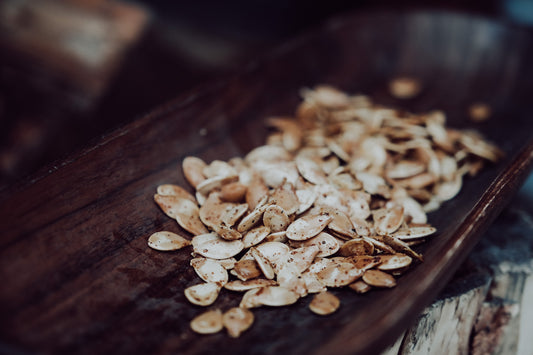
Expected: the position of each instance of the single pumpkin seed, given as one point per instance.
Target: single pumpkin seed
(167, 241)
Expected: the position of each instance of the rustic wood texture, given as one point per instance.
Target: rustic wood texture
(78, 277)
(485, 309)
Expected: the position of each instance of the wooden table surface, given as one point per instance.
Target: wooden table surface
(78, 277)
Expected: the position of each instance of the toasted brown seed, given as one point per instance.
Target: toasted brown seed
(404, 87)
(166, 241)
(233, 192)
(256, 192)
(324, 303)
(237, 320)
(364, 262)
(360, 286)
(209, 322)
(479, 112)
(246, 270)
(227, 233)
(379, 279)
(202, 294)
(401, 247)
(356, 247)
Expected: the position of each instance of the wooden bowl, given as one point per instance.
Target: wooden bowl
(78, 277)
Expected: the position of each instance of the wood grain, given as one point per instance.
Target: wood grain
(78, 277)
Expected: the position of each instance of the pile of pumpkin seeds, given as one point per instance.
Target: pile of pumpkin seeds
(336, 197)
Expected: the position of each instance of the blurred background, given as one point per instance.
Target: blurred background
(71, 70)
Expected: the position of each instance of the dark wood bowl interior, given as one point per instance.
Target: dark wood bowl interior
(78, 276)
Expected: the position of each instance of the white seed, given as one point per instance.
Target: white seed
(255, 236)
(339, 274)
(449, 189)
(193, 170)
(341, 224)
(214, 212)
(405, 169)
(228, 263)
(285, 197)
(216, 182)
(218, 168)
(274, 296)
(308, 226)
(202, 294)
(289, 277)
(239, 285)
(263, 263)
(310, 170)
(414, 232)
(166, 241)
(277, 237)
(251, 219)
(212, 246)
(327, 96)
(413, 209)
(267, 153)
(237, 320)
(326, 243)
(273, 252)
(312, 283)
(388, 220)
(393, 262)
(175, 190)
(306, 197)
(210, 271)
(184, 211)
(302, 258)
(209, 322)
(275, 218)
(324, 303)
